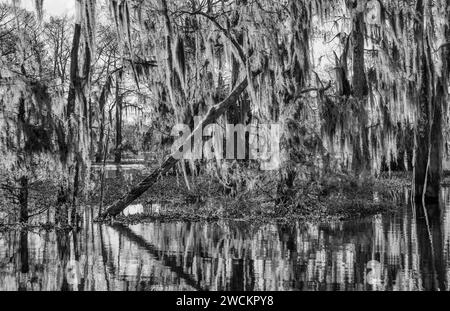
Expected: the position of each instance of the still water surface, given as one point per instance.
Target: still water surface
(382, 252)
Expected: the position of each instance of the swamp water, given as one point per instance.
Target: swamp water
(381, 252)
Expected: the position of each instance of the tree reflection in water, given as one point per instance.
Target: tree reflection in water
(383, 252)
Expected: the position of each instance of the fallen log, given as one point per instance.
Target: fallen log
(213, 113)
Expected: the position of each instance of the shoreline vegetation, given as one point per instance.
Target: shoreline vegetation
(331, 198)
(337, 199)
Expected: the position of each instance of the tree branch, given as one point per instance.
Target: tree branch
(224, 31)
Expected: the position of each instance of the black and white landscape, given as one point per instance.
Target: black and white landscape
(224, 145)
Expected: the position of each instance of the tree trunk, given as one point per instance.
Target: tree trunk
(361, 156)
(299, 75)
(77, 113)
(118, 152)
(23, 187)
(359, 81)
(102, 103)
(66, 190)
(428, 134)
(24, 265)
(175, 79)
(212, 114)
(23, 199)
(235, 114)
(74, 80)
(99, 155)
(429, 148)
(102, 180)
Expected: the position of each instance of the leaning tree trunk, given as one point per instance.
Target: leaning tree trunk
(212, 115)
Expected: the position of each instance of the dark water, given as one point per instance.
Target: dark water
(383, 252)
